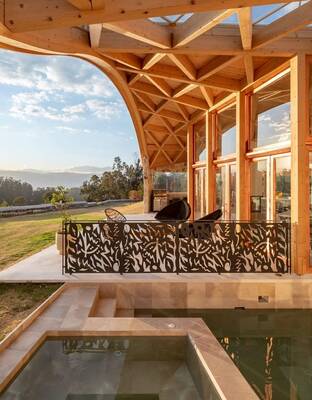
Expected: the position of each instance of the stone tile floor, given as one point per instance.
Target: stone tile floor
(46, 266)
(67, 314)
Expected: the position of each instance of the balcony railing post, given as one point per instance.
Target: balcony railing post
(122, 240)
(177, 248)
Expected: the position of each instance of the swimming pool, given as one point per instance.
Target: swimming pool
(112, 368)
(272, 348)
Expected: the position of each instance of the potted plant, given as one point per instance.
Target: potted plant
(61, 200)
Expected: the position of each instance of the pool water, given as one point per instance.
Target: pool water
(272, 348)
(111, 368)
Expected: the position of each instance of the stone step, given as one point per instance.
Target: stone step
(105, 308)
(124, 313)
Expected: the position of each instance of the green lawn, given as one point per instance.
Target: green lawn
(25, 235)
(18, 300)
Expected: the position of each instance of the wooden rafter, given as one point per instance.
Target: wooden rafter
(186, 100)
(169, 114)
(36, 15)
(144, 31)
(161, 85)
(95, 31)
(217, 44)
(183, 89)
(245, 26)
(207, 95)
(197, 25)
(185, 65)
(151, 59)
(88, 4)
(249, 68)
(214, 66)
(172, 73)
(127, 59)
(291, 22)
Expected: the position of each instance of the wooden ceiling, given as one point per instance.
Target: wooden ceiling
(171, 60)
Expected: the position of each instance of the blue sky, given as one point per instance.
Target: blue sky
(60, 112)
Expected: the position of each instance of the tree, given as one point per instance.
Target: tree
(60, 200)
(115, 184)
(11, 188)
(91, 189)
(19, 201)
(60, 197)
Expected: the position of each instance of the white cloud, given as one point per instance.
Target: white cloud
(61, 89)
(75, 109)
(37, 105)
(62, 74)
(71, 130)
(104, 110)
(275, 125)
(29, 105)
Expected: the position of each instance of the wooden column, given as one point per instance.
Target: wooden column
(148, 185)
(210, 173)
(300, 211)
(242, 181)
(190, 174)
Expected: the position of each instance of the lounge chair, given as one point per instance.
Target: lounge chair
(178, 211)
(200, 227)
(114, 215)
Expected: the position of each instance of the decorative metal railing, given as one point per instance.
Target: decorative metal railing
(129, 247)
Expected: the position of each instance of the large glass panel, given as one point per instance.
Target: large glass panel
(200, 141)
(282, 189)
(258, 198)
(226, 131)
(233, 191)
(220, 189)
(310, 166)
(270, 116)
(170, 181)
(200, 208)
(310, 99)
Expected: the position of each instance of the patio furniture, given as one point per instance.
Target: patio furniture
(178, 211)
(114, 215)
(199, 228)
(214, 216)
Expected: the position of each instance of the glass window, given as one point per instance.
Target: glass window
(170, 181)
(258, 198)
(270, 114)
(310, 99)
(310, 166)
(282, 189)
(200, 141)
(233, 191)
(226, 131)
(220, 189)
(200, 206)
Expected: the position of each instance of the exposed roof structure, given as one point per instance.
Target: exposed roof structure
(171, 60)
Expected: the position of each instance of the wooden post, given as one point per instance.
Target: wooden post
(300, 210)
(148, 185)
(242, 181)
(210, 168)
(190, 174)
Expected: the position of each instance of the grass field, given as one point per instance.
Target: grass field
(25, 235)
(18, 300)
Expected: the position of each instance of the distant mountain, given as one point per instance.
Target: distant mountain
(87, 169)
(73, 177)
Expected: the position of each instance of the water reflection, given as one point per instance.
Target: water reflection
(272, 348)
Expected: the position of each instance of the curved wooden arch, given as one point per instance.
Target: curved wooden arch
(170, 70)
(104, 65)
